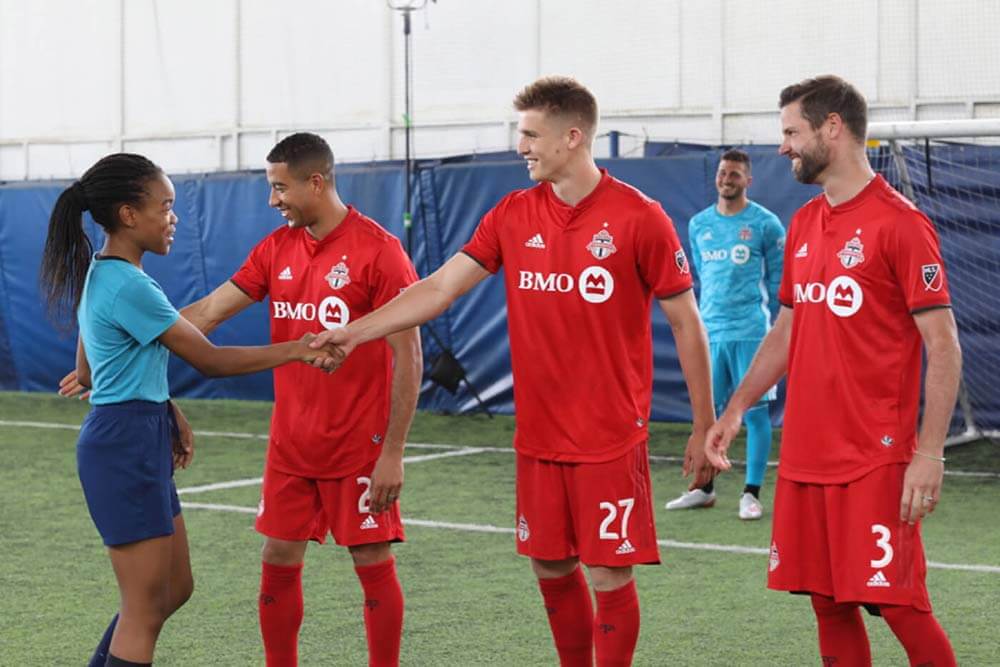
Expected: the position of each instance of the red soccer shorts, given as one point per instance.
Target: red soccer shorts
(600, 512)
(300, 508)
(846, 541)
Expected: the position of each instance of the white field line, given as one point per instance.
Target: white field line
(219, 486)
(252, 481)
(445, 455)
(695, 546)
(737, 463)
(218, 508)
(426, 445)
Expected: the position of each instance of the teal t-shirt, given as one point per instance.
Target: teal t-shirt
(122, 313)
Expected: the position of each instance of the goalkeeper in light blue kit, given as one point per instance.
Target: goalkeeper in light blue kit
(736, 248)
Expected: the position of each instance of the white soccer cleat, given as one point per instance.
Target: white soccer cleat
(750, 507)
(690, 500)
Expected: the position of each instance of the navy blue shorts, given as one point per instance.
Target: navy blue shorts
(125, 462)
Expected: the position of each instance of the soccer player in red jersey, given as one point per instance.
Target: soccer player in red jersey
(583, 255)
(863, 287)
(335, 457)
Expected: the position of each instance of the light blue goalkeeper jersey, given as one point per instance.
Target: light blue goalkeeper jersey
(738, 261)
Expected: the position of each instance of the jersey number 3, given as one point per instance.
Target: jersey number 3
(612, 514)
(882, 543)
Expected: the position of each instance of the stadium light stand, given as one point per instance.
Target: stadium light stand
(446, 370)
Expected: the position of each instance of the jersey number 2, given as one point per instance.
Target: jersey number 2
(364, 502)
(612, 514)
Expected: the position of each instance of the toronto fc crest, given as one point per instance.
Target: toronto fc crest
(745, 234)
(602, 245)
(338, 276)
(852, 254)
(523, 532)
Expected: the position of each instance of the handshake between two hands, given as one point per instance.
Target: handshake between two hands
(326, 351)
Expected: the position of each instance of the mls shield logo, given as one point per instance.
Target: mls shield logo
(338, 276)
(602, 245)
(852, 254)
(682, 262)
(933, 278)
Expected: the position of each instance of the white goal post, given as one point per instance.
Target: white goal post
(936, 129)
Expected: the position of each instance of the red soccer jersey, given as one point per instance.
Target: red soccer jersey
(580, 281)
(854, 276)
(327, 426)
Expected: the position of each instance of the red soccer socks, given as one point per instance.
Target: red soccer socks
(921, 635)
(383, 612)
(843, 640)
(571, 617)
(280, 609)
(616, 628)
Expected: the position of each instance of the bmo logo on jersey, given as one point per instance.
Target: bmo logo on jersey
(595, 284)
(843, 296)
(740, 254)
(332, 312)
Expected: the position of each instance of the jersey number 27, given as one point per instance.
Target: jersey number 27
(612, 514)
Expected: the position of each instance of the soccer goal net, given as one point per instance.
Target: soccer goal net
(951, 170)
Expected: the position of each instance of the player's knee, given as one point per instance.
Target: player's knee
(370, 554)
(550, 569)
(282, 552)
(181, 590)
(901, 616)
(826, 606)
(148, 612)
(609, 578)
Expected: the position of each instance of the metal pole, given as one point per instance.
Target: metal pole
(904, 171)
(407, 132)
(120, 143)
(238, 87)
